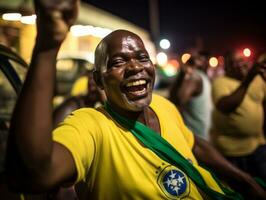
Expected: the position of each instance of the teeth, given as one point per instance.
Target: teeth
(140, 92)
(135, 83)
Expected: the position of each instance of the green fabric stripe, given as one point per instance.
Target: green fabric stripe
(261, 182)
(165, 151)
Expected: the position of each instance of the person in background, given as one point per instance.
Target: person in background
(112, 147)
(91, 96)
(94, 97)
(262, 61)
(238, 116)
(191, 93)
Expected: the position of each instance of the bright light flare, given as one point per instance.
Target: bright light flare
(161, 58)
(185, 57)
(84, 30)
(247, 52)
(165, 44)
(171, 68)
(11, 16)
(213, 62)
(28, 19)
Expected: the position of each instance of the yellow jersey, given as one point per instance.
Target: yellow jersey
(115, 165)
(241, 132)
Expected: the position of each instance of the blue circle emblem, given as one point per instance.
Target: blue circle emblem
(175, 182)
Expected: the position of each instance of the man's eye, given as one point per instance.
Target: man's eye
(118, 62)
(144, 59)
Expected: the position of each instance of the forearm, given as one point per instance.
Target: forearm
(175, 87)
(33, 159)
(237, 179)
(205, 153)
(182, 90)
(31, 123)
(230, 103)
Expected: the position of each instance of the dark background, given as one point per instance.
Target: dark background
(219, 25)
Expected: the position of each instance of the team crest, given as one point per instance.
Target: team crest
(173, 182)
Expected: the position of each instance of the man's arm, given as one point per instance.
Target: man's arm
(33, 159)
(240, 181)
(186, 86)
(230, 103)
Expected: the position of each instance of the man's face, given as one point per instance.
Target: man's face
(129, 77)
(240, 66)
(202, 62)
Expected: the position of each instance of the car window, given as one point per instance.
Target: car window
(68, 71)
(21, 71)
(8, 96)
(12, 73)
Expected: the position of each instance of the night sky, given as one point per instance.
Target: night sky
(220, 25)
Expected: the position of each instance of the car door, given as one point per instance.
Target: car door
(12, 72)
(12, 69)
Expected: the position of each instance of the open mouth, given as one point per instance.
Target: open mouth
(136, 88)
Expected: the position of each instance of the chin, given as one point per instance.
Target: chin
(138, 104)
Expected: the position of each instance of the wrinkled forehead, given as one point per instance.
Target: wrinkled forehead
(124, 42)
(120, 42)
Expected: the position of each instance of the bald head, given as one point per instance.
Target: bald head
(106, 45)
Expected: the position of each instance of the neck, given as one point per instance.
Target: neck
(141, 116)
(146, 116)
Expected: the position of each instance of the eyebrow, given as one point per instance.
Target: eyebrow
(122, 54)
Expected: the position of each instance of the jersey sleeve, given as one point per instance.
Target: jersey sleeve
(74, 134)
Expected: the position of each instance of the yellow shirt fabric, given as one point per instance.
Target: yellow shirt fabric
(239, 133)
(116, 165)
(80, 86)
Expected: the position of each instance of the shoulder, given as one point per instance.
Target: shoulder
(163, 106)
(159, 101)
(258, 85)
(259, 81)
(85, 122)
(85, 117)
(84, 113)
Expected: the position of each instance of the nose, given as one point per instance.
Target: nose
(134, 67)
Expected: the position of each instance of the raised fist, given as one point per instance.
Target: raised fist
(54, 19)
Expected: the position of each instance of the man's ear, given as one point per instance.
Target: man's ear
(97, 79)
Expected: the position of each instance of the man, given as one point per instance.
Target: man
(92, 144)
(238, 117)
(191, 93)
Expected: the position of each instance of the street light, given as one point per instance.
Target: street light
(185, 57)
(165, 44)
(213, 62)
(162, 58)
(247, 52)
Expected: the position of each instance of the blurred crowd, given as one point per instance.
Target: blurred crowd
(228, 110)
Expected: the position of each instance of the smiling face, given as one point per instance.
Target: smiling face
(125, 71)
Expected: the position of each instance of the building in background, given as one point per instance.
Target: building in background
(18, 30)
